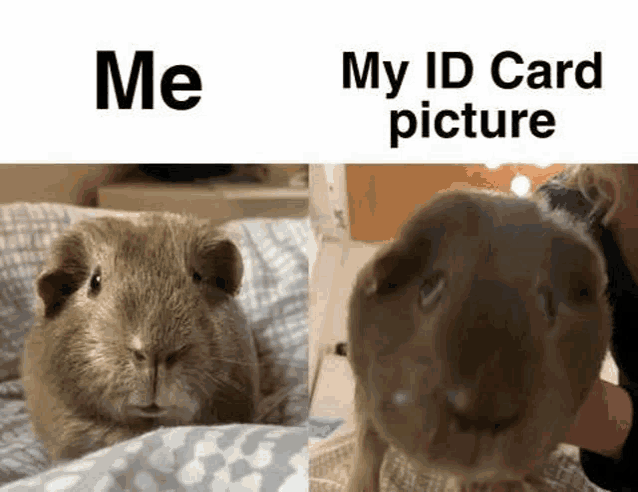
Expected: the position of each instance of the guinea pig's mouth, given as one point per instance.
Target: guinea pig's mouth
(149, 411)
(477, 459)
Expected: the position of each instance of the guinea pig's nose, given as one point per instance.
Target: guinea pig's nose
(470, 415)
(458, 399)
(152, 409)
(490, 352)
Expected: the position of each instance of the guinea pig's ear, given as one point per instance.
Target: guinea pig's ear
(217, 261)
(411, 255)
(399, 264)
(576, 276)
(66, 269)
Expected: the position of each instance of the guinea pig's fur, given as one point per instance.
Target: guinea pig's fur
(137, 327)
(474, 338)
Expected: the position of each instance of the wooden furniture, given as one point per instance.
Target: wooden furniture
(220, 201)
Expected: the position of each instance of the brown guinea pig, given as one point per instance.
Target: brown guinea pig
(137, 327)
(474, 338)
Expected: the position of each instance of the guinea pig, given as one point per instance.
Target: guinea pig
(137, 327)
(474, 338)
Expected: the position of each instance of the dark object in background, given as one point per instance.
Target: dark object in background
(342, 349)
(185, 172)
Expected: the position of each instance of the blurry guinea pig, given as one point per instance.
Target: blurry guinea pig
(137, 327)
(474, 338)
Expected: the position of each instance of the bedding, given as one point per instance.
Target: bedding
(268, 456)
(331, 465)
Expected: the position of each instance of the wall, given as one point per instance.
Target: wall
(60, 183)
(382, 197)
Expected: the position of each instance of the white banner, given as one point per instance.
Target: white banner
(527, 82)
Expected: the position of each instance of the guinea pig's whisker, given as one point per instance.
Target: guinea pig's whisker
(209, 379)
(226, 380)
(269, 403)
(196, 379)
(233, 361)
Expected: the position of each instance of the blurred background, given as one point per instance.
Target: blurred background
(381, 197)
(219, 191)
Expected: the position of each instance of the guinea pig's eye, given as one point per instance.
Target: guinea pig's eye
(96, 282)
(431, 289)
(197, 278)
